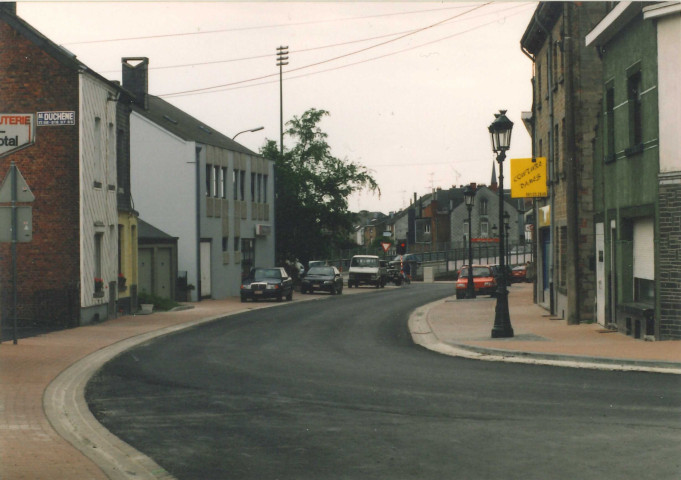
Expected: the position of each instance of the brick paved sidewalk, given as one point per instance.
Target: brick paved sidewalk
(469, 323)
(30, 448)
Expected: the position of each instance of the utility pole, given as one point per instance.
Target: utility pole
(282, 53)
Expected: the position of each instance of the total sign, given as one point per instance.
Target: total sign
(17, 131)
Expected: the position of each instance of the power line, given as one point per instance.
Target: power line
(414, 32)
(321, 47)
(240, 29)
(237, 85)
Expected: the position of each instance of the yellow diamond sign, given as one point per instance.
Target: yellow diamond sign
(528, 177)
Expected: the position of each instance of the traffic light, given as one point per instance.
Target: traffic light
(401, 248)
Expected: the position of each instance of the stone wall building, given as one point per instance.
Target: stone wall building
(565, 106)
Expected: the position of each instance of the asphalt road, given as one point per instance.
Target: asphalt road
(335, 389)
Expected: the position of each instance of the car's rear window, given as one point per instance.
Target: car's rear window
(477, 272)
(364, 262)
(263, 273)
(321, 271)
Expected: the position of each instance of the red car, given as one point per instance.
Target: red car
(483, 281)
(519, 274)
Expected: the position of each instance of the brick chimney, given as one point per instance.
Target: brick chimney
(10, 7)
(136, 79)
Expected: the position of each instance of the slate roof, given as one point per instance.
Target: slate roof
(147, 233)
(187, 127)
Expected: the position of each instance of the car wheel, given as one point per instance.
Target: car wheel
(333, 290)
(303, 291)
(289, 297)
(459, 295)
(243, 299)
(254, 299)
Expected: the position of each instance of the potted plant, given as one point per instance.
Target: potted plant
(121, 282)
(99, 284)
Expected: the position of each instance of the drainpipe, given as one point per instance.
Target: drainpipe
(549, 78)
(573, 263)
(533, 241)
(198, 223)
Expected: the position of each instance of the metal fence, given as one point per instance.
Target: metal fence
(444, 261)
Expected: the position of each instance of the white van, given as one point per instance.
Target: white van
(366, 270)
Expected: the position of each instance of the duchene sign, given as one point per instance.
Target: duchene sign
(49, 119)
(528, 177)
(17, 131)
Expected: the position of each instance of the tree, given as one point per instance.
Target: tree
(312, 189)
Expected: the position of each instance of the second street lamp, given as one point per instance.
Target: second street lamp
(500, 134)
(469, 198)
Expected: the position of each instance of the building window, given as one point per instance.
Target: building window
(225, 244)
(242, 185)
(223, 182)
(252, 187)
(98, 254)
(237, 243)
(209, 170)
(98, 150)
(264, 188)
(260, 188)
(483, 206)
(247, 255)
(634, 101)
(235, 183)
(216, 181)
(539, 85)
(484, 229)
(562, 256)
(609, 122)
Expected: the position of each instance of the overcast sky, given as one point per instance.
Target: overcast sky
(411, 87)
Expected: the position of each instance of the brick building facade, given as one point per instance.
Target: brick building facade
(49, 266)
(71, 172)
(566, 102)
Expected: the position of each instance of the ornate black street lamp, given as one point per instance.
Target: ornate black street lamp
(500, 134)
(469, 198)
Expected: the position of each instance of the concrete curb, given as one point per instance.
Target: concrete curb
(68, 413)
(423, 334)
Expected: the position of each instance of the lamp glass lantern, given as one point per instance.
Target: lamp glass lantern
(500, 132)
(469, 195)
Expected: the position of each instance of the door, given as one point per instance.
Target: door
(546, 265)
(163, 273)
(205, 269)
(145, 264)
(600, 273)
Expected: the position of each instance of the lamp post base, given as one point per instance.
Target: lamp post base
(502, 320)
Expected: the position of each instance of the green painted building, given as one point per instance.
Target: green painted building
(626, 168)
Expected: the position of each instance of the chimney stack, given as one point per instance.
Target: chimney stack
(136, 79)
(10, 7)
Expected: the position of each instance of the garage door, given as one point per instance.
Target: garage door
(644, 248)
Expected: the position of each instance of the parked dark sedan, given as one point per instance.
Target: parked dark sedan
(322, 278)
(267, 283)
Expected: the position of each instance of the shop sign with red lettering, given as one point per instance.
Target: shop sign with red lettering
(17, 131)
